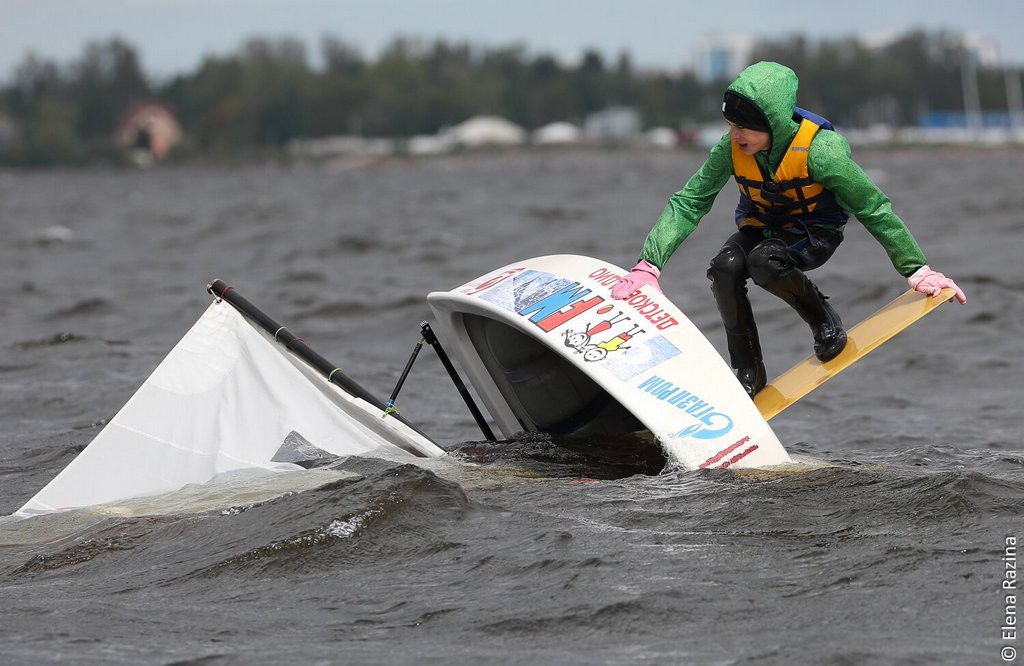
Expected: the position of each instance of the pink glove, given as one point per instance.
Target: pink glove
(930, 282)
(641, 275)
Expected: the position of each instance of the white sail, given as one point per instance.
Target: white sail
(225, 398)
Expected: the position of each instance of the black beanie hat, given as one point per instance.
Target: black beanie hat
(741, 111)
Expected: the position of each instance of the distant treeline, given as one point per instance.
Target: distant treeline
(267, 93)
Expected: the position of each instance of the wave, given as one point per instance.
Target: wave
(596, 456)
(829, 504)
(336, 308)
(86, 306)
(385, 511)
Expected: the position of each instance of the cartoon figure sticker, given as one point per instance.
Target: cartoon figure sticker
(583, 341)
(601, 331)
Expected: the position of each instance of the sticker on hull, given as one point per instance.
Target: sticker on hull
(595, 328)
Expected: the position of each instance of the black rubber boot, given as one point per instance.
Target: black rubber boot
(813, 307)
(745, 358)
(829, 334)
(728, 275)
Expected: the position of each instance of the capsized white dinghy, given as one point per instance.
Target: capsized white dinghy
(548, 350)
(227, 397)
(541, 341)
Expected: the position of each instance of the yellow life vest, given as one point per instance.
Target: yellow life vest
(791, 197)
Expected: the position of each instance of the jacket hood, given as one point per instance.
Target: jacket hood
(772, 88)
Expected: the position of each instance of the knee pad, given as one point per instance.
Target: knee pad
(769, 262)
(729, 264)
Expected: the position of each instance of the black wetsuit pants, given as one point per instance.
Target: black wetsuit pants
(775, 263)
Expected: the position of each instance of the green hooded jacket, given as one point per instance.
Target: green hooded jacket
(772, 87)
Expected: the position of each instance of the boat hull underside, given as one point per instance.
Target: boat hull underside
(545, 392)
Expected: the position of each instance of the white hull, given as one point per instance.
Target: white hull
(548, 350)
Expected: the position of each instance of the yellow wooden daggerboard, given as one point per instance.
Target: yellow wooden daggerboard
(811, 373)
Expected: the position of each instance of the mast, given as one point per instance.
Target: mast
(298, 346)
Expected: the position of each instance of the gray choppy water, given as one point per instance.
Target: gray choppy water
(531, 550)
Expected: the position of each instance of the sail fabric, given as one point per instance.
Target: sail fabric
(226, 397)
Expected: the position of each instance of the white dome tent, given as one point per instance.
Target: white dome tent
(487, 131)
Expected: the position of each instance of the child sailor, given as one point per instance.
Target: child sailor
(797, 186)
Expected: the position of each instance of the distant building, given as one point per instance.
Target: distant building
(662, 137)
(616, 123)
(960, 119)
(722, 57)
(340, 145)
(557, 133)
(148, 128)
(983, 50)
(429, 144)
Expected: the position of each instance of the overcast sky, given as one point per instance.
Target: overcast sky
(172, 36)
